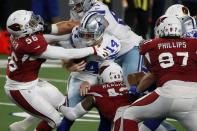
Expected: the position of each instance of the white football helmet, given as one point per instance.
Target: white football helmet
(92, 28)
(81, 5)
(21, 23)
(171, 27)
(178, 10)
(110, 72)
(158, 26)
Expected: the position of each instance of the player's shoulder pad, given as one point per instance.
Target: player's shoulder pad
(99, 8)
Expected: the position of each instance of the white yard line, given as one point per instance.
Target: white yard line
(94, 112)
(87, 120)
(169, 119)
(89, 115)
(7, 104)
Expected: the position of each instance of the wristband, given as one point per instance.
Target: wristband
(54, 29)
(94, 50)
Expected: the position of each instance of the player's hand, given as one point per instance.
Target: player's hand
(101, 51)
(84, 88)
(77, 67)
(133, 92)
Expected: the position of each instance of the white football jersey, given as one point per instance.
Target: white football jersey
(118, 28)
(90, 73)
(191, 34)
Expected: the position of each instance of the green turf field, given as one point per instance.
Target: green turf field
(56, 76)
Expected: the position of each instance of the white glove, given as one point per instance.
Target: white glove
(101, 51)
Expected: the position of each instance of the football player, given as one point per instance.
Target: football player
(128, 56)
(90, 32)
(143, 82)
(172, 61)
(112, 93)
(28, 51)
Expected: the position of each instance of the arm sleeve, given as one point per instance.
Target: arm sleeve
(55, 52)
(73, 113)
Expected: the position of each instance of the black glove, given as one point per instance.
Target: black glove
(47, 28)
(133, 93)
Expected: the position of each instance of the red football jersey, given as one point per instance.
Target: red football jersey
(22, 66)
(108, 97)
(171, 59)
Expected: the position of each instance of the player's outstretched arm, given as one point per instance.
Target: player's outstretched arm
(60, 28)
(56, 38)
(55, 52)
(134, 78)
(79, 110)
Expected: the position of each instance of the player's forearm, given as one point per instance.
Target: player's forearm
(146, 81)
(55, 52)
(60, 28)
(64, 27)
(56, 38)
(134, 78)
(73, 113)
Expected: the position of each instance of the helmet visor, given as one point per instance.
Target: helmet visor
(86, 35)
(88, 38)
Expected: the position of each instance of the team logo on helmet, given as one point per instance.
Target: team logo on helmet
(15, 27)
(185, 10)
(102, 69)
(160, 20)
